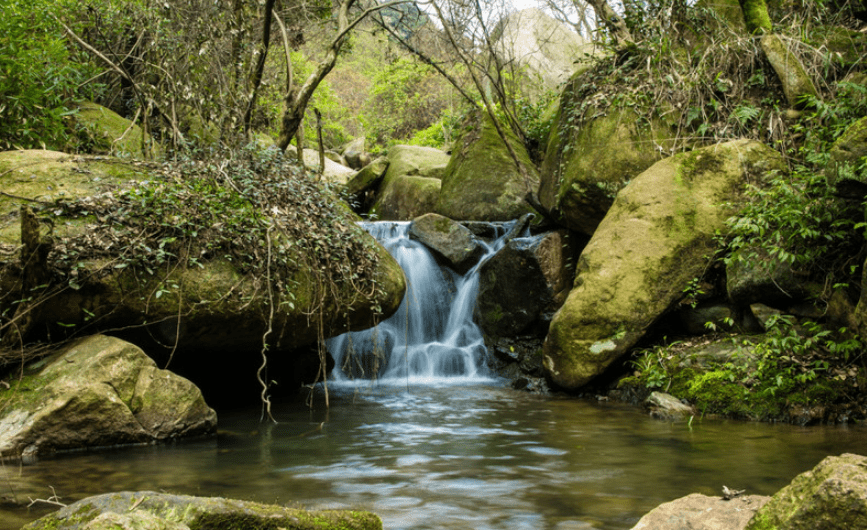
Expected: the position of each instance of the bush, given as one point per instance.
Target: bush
(38, 76)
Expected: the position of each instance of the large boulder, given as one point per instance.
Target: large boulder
(845, 170)
(700, 512)
(99, 391)
(102, 131)
(334, 172)
(590, 159)
(831, 496)
(411, 185)
(482, 181)
(525, 283)
(543, 52)
(105, 274)
(450, 241)
(658, 235)
(149, 510)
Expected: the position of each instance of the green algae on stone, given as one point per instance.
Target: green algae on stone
(587, 164)
(200, 513)
(106, 132)
(657, 236)
(482, 181)
(831, 496)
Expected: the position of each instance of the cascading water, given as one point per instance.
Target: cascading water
(432, 338)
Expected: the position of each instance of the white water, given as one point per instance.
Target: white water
(431, 339)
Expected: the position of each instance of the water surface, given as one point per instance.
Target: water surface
(448, 456)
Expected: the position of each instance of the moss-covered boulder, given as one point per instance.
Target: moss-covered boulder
(831, 496)
(847, 169)
(99, 391)
(149, 510)
(129, 245)
(103, 131)
(411, 184)
(334, 173)
(590, 159)
(482, 181)
(658, 235)
(450, 241)
(367, 177)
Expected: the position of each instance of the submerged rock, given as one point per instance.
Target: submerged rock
(831, 496)
(658, 235)
(99, 391)
(148, 510)
(700, 512)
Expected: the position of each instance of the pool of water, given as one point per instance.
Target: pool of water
(447, 456)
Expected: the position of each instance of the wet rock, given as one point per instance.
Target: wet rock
(831, 496)
(450, 241)
(523, 284)
(700, 512)
(148, 510)
(100, 391)
(667, 407)
(654, 240)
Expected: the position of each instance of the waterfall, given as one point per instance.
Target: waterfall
(432, 338)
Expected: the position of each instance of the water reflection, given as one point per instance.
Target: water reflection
(451, 457)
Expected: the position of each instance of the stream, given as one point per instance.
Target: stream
(448, 456)
(420, 432)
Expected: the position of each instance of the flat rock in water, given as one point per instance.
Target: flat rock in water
(148, 510)
(700, 512)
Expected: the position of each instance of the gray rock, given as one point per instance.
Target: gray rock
(100, 391)
(449, 240)
(700, 512)
(667, 407)
(148, 510)
(525, 283)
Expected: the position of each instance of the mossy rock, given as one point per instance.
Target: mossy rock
(99, 391)
(411, 184)
(831, 496)
(847, 169)
(658, 235)
(148, 510)
(482, 181)
(104, 131)
(587, 164)
(797, 83)
(220, 303)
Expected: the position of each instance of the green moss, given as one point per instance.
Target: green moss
(756, 16)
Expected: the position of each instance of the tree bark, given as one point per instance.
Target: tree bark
(615, 24)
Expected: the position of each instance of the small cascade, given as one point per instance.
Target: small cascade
(432, 338)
